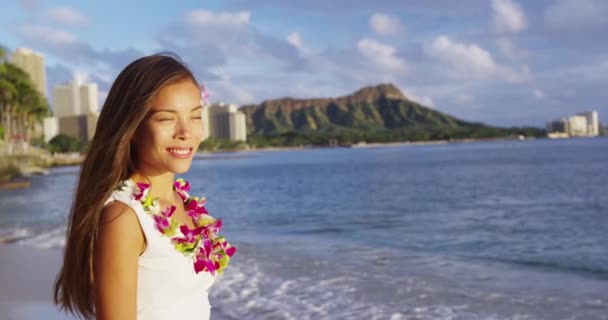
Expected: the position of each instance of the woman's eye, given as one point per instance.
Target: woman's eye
(198, 118)
(165, 119)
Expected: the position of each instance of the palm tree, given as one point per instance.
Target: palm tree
(21, 105)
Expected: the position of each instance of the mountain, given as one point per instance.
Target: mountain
(375, 108)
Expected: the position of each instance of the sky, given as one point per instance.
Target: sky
(501, 62)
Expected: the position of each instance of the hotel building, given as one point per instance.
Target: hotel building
(33, 64)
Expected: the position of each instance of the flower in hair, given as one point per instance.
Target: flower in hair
(204, 94)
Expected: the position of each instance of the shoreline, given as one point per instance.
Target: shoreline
(14, 173)
(16, 169)
(43, 162)
(368, 145)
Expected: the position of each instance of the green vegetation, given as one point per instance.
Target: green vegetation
(217, 144)
(21, 105)
(373, 114)
(348, 137)
(63, 144)
(8, 172)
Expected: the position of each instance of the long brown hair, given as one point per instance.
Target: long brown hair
(110, 159)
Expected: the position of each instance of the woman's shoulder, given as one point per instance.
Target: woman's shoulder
(115, 210)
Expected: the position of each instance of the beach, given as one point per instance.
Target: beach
(463, 231)
(27, 276)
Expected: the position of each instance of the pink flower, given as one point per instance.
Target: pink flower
(196, 208)
(162, 219)
(143, 188)
(204, 94)
(190, 235)
(182, 187)
(230, 251)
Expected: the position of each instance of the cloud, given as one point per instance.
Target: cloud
(220, 20)
(81, 76)
(538, 94)
(384, 24)
(226, 34)
(216, 44)
(382, 55)
(48, 35)
(464, 99)
(68, 16)
(30, 5)
(577, 15)
(65, 45)
(472, 62)
(508, 49)
(509, 16)
(423, 100)
(295, 40)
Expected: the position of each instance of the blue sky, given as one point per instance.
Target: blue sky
(503, 62)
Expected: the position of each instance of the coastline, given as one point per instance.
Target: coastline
(16, 169)
(368, 145)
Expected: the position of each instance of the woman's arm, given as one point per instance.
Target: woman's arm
(119, 244)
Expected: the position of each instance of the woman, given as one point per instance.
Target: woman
(138, 245)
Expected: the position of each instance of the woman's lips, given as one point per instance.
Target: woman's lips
(180, 153)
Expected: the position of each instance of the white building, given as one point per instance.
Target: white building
(206, 122)
(73, 99)
(593, 123)
(577, 126)
(236, 123)
(89, 102)
(33, 64)
(584, 124)
(224, 122)
(51, 128)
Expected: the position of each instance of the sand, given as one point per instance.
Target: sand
(26, 284)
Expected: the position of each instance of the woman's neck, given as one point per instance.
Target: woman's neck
(161, 186)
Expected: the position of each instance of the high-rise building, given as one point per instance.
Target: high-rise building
(33, 64)
(89, 102)
(586, 124)
(73, 99)
(577, 126)
(79, 126)
(236, 123)
(206, 122)
(51, 128)
(560, 125)
(66, 100)
(593, 122)
(225, 122)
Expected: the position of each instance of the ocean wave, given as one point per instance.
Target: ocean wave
(14, 235)
(274, 287)
(593, 271)
(46, 239)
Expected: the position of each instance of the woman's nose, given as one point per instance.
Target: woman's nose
(183, 130)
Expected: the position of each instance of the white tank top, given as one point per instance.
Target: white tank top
(167, 285)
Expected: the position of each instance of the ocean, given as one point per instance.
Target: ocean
(484, 230)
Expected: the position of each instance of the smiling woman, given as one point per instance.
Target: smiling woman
(138, 245)
(172, 130)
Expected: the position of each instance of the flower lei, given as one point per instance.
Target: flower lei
(208, 251)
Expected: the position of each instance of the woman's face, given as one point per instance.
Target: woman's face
(172, 131)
